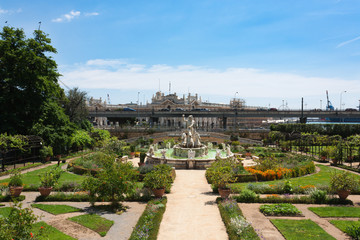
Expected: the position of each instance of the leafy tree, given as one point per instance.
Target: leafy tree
(75, 107)
(28, 78)
(80, 139)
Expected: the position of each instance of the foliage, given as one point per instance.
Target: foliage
(352, 228)
(236, 225)
(46, 151)
(112, 183)
(281, 209)
(50, 178)
(288, 187)
(15, 179)
(56, 209)
(148, 224)
(113, 145)
(142, 157)
(54, 127)
(75, 106)
(144, 169)
(28, 78)
(99, 136)
(95, 160)
(343, 180)
(247, 196)
(222, 172)
(307, 229)
(80, 139)
(18, 224)
(94, 222)
(319, 196)
(160, 177)
(8, 142)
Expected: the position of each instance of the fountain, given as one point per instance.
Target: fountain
(190, 153)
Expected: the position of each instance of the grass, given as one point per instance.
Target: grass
(48, 232)
(336, 211)
(300, 229)
(320, 178)
(148, 224)
(94, 222)
(56, 209)
(5, 211)
(32, 178)
(343, 225)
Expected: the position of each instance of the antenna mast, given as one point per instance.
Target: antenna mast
(39, 25)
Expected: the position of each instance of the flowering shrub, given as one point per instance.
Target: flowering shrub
(222, 172)
(50, 178)
(18, 224)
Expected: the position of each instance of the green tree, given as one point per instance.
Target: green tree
(75, 107)
(28, 78)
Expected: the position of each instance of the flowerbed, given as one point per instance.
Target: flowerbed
(148, 225)
(281, 209)
(281, 172)
(236, 225)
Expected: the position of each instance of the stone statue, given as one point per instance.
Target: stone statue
(163, 152)
(190, 140)
(184, 139)
(151, 151)
(197, 142)
(218, 152)
(191, 154)
(228, 151)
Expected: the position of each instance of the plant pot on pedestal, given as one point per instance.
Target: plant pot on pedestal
(224, 192)
(158, 192)
(45, 191)
(343, 194)
(15, 191)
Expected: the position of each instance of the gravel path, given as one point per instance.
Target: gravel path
(191, 210)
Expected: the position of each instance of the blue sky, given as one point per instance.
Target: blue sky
(267, 51)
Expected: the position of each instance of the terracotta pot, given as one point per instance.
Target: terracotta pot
(224, 192)
(45, 191)
(158, 192)
(343, 194)
(15, 191)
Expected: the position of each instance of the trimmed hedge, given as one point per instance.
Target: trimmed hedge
(8, 198)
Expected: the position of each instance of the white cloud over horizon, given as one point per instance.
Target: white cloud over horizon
(73, 14)
(347, 42)
(249, 82)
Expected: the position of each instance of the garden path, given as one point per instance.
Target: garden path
(191, 210)
(31, 169)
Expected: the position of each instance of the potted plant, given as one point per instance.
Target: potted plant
(324, 153)
(48, 180)
(46, 153)
(221, 177)
(142, 159)
(132, 151)
(343, 183)
(15, 184)
(158, 180)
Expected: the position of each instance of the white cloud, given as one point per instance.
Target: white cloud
(67, 17)
(347, 42)
(250, 83)
(5, 11)
(91, 14)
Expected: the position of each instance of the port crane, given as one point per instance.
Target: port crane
(329, 106)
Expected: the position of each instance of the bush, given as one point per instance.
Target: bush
(160, 177)
(112, 183)
(222, 172)
(343, 181)
(144, 169)
(281, 209)
(353, 231)
(15, 179)
(318, 196)
(50, 178)
(247, 196)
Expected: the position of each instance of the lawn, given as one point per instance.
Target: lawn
(32, 178)
(56, 209)
(344, 224)
(5, 211)
(49, 232)
(300, 229)
(94, 222)
(336, 211)
(320, 178)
